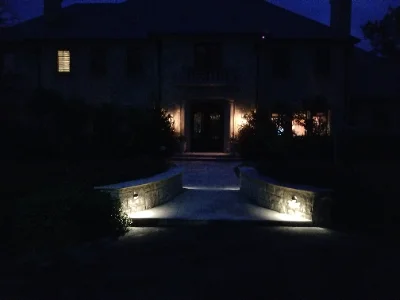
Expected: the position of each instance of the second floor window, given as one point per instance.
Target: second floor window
(208, 56)
(98, 63)
(281, 62)
(133, 61)
(63, 61)
(322, 61)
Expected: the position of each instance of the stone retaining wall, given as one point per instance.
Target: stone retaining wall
(310, 203)
(147, 193)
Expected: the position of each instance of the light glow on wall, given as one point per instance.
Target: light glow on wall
(239, 120)
(176, 119)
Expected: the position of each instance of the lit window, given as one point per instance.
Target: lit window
(277, 119)
(320, 124)
(64, 61)
(299, 124)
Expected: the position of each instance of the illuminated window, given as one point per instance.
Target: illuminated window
(64, 61)
(320, 124)
(299, 124)
(277, 119)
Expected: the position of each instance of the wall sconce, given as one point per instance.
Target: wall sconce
(293, 204)
(135, 196)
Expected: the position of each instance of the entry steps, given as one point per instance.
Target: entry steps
(206, 156)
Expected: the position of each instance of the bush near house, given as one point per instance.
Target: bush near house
(58, 151)
(363, 180)
(301, 160)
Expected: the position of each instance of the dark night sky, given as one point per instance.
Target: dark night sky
(363, 10)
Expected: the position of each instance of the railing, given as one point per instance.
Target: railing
(194, 76)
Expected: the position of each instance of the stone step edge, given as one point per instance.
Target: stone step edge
(160, 222)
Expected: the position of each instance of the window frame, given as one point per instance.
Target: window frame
(99, 54)
(133, 60)
(323, 60)
(211, 50)
(64, 56)
(281, 65)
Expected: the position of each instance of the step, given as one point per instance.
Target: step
(196, 157)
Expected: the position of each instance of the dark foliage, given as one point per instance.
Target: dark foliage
(58, 151)
(256, 138)
(55, 128)
(384, 35)
(63, 215)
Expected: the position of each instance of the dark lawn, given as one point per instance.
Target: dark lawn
(219, 262)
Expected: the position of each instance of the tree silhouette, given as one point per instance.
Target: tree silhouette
(384, 35)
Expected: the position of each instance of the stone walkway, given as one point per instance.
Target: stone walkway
(211, 192)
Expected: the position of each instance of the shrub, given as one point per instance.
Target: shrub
(64, 215)
(67, 129)
(365, 197)
(257, 137)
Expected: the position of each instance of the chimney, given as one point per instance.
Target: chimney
(340, 20)
(52, 10)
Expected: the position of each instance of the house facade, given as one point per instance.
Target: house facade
(206, 63)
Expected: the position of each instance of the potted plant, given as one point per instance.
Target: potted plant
(182, 143)
(233, 141)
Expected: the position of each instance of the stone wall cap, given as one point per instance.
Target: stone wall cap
(252, 172)
(173, 171)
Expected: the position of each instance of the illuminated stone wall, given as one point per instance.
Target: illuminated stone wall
(139, 196)
(312, 204)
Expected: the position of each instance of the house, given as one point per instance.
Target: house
(374, 96)
(206, 62)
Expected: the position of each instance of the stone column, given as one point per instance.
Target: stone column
(227, 127)
(187, 126)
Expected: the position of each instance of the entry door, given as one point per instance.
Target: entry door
(207, 127)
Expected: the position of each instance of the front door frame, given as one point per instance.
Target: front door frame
(226, 103)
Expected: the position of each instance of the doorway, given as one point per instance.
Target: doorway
(207, 126)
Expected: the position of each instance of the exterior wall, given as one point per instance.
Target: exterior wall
(239, 97)
(302, 82)
(115, 86)
(239, 56)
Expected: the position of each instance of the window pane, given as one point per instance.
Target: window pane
(281, 62)
(299, 124)
(133, 60)
(99, 60)
(64, 61)
(322, 61)
(208, 56)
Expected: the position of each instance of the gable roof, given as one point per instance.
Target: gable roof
(139, 18)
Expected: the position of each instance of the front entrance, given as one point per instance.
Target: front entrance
(207, 126)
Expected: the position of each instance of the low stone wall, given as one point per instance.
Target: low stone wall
(147, 193)
(307, 202)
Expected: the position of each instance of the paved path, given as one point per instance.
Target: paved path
(211, 192)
